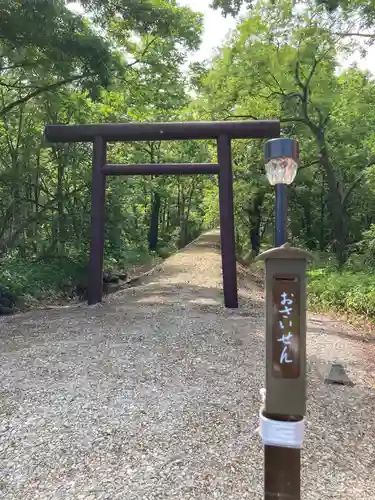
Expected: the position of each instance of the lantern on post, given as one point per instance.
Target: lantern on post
(281, 158)
(284, 399)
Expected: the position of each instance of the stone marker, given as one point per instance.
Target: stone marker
(337, 375)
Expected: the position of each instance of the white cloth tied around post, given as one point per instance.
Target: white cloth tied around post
(280, 433)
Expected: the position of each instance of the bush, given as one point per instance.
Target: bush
(39, 279)
(54, 277)
(346, 291)
(367, 246)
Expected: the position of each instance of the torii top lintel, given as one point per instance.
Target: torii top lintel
(118, 132)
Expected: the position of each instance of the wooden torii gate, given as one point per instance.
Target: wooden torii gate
(223, 131)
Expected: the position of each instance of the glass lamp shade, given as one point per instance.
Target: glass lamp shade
(281, 157)
(281, 170)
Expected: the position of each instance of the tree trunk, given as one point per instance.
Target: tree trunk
(322, 210)
(255, 217)
(184, 218)
(154, 222)
(61, 236)
(307, 218)
(168, 221)
(336, 209)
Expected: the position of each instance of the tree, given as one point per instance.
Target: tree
(68, 51)
(35, 59)
(354, 18)
(284, 66)
(72, 72)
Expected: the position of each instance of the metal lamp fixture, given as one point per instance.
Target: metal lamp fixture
(281, 158)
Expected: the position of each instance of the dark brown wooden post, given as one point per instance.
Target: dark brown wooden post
(282, 477)
(227, 236)
(95, 279)
(286, 305)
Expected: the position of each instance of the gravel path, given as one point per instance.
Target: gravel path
(155, 395)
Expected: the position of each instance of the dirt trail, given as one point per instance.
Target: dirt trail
(155, 395)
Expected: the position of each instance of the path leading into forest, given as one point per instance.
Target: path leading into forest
(155, 395)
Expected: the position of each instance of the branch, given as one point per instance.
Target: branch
(314, 162)
(296, 119)
(229, 117)
(287, 96)
(353, 185)
(312, 71)
(276, 81)
(282, 120)
(304, 86)
(362, 35)
(23, 64)
(40, 90)
(17, 86)
(148, 45)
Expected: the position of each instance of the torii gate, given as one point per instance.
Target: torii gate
(222, 131)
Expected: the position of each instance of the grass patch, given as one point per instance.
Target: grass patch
(40, 279)
(50, 278)
(350, 292)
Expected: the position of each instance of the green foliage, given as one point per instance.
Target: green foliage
(366, 247)
(122, 61)
(347, 291)
(281, 62)
(55, 276)
(88, 51)
(66, 39)
(40, 279)
(112, 61)
(231, 7)
(364, 9)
